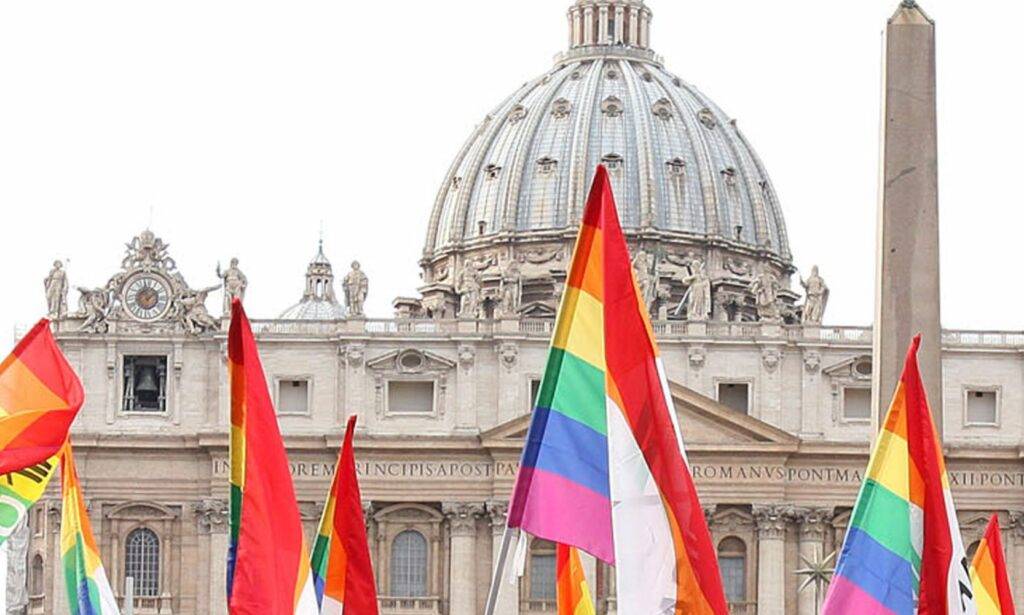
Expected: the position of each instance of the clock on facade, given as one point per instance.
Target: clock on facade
(147, 297)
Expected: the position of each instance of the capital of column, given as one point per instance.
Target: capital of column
(771, 521)
(709, 513)
(462, 516)
(497, 510)
(812, 522)
(211, 515)
(1016, 526)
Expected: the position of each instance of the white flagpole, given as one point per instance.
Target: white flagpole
(499, 571)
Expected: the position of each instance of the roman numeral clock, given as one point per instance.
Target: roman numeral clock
(147, 296)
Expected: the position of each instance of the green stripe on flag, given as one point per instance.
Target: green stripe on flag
(885, 516)
(574, 388)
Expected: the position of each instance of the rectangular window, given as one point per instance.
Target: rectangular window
(144, 384)
(410, 397)
(981, 407)
(735, 395)
(534, 392)
(542, 576)
(734, 577)
(293, 396)
(857, 404)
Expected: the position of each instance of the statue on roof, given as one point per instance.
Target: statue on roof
(511, 289)
(193, 314)
(765, 288)
(698, 292)
(356, 286)
(234, 282)
(56, 284)
(817, 298)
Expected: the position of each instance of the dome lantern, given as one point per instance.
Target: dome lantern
(318, 299)
(609, 23)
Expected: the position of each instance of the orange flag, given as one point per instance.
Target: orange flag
(39, 399)
(573, 593)
(988, 575)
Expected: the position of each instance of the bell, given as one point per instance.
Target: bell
(147, 380)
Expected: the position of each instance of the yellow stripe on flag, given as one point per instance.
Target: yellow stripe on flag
(580, 329)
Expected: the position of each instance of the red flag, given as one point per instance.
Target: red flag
(39, 399)
(988, 574)
(268, 563)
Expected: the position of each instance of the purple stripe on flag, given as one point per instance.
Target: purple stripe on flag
(845, 597)
(560, 510)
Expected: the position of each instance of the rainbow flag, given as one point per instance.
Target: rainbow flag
(89, 590)
(604, 468)
(573, 593)
(988, 574)
(342, 569)
(903, 553)
(268, 564)
(19, 490)
(39, 398)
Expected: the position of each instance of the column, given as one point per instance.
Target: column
(1014, 545)
(771, 559)
(462, 518)
(59, 594)
(907, 265)
(634, 27)
(620, 24)
(602, 26)
(812, 524)
(588, 25)
(212, 517)
(508, 593)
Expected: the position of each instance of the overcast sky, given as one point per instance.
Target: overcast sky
(236, 128)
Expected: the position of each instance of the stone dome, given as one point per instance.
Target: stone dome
(318, 299)
(686, 181)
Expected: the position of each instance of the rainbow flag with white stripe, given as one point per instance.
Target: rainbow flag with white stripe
(573, 592)
(604, 468)
(89, 590)
(988, 574)
(903, 554)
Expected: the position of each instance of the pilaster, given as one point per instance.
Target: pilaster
(771, 522)
(508, 592)
(462, 519)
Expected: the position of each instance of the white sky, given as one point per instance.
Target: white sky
(243, 125)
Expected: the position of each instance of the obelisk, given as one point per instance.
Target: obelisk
(907, 265)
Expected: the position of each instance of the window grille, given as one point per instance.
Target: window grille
(142, 561)
(409, 565)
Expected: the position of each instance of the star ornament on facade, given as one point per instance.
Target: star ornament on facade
(817, 572)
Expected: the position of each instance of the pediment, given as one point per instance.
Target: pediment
(703, 421)
(410, 360)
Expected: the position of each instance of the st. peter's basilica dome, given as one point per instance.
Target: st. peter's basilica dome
(687, 183)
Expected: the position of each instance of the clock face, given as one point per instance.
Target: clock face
(147, 297)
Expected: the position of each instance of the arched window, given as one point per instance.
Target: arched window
(35, 582)
(409, 565)
(732, 560)
(142, 561)
(542, 571)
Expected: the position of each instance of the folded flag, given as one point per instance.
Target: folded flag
(89, 590)
(268, 564)
(603, 468)
(903, 553)
(573, 593)
(342, 569)
(39, 398)
(988, 574)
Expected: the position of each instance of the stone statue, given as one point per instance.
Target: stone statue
(56, 284)
(234, 283)
(698, 292)
(645, 268)
(765, 288)
(356, 285)
(193, 314)
(817, 298)
(470, 290)
(93, 305)
(511, 289)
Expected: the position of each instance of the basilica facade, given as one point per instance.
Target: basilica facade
(774, 405)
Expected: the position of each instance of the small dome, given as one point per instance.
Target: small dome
(318, 300)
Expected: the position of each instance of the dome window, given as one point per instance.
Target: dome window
(561, 108)
(707, 118)
(612, 74)
(676, 81)
(575, 76)
(456, 182)
(612, 161)
(517, 114)
(729, 175)
(612, 106)
(663, 109)
(676, 167)
(492, 171)
(648, 77)
(547, 165)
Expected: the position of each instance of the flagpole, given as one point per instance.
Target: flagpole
(499, 571)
